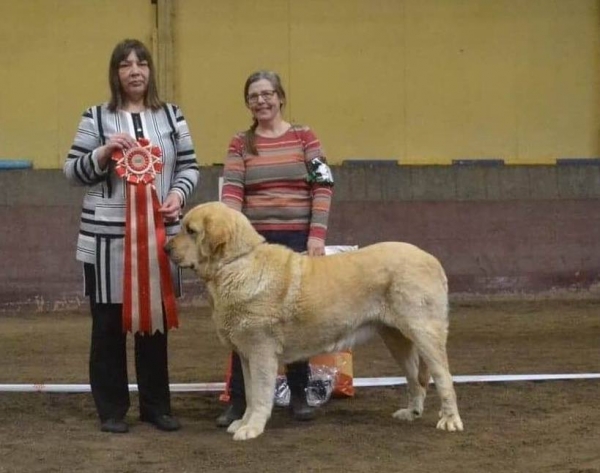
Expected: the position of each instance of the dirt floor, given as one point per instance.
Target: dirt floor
(551, 426)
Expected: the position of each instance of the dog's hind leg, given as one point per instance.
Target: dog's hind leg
(415, 370)
(430, 342)
(260, 389)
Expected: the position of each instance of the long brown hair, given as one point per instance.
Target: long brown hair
(275, 80)
(120, 53)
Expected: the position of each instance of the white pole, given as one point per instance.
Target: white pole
(357, 382)
(85, 388)
(492, 378)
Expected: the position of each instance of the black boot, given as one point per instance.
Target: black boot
(234, 411)
(298, 375)
(114, 426)
(300, 408)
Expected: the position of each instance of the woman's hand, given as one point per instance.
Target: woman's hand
(171, 207)
(315, 247)
(121, 141)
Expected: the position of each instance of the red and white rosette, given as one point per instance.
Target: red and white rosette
(147, 283)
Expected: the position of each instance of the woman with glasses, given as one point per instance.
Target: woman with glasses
(276, 174)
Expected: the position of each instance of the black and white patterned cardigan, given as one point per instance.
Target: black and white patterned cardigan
(102, 228)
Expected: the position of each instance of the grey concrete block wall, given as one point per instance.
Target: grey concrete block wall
(495, 228)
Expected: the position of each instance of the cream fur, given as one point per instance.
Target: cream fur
(273, 305)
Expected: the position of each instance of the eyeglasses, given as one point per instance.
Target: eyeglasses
(265, 94)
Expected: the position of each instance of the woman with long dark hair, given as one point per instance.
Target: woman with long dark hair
(129, 285)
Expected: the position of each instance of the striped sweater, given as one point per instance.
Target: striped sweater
(102, 228)
(272, 189)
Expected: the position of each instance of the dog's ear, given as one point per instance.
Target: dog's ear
(216, 234)
(193, 229)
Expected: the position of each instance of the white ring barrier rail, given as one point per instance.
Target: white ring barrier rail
(357, 382)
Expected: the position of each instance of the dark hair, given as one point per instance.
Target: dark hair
(275, 80)
(120, 53)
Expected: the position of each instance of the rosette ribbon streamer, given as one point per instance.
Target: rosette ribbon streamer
(147, 283)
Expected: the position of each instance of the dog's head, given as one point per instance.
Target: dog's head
(212, 233)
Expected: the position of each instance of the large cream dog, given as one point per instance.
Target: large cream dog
(271, 304)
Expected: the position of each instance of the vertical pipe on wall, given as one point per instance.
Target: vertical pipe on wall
(162, 45)
(288, 105)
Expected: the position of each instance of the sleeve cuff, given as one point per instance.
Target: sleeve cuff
(97, 170)
(317, 239)
(179, 194)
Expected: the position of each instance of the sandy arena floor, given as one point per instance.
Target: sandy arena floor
(528, 427)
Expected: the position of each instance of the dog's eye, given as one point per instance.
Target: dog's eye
(190, 231)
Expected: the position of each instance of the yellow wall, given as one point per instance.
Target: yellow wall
(54, 58)
(218, 44)
(422, 81)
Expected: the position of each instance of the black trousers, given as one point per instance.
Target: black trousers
(297, 373)
(108, 363)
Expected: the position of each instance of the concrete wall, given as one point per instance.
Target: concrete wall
(495, 229)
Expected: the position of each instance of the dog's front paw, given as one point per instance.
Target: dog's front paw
(406, 414)
(451, 423)
(247, 432)
(235, 426)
